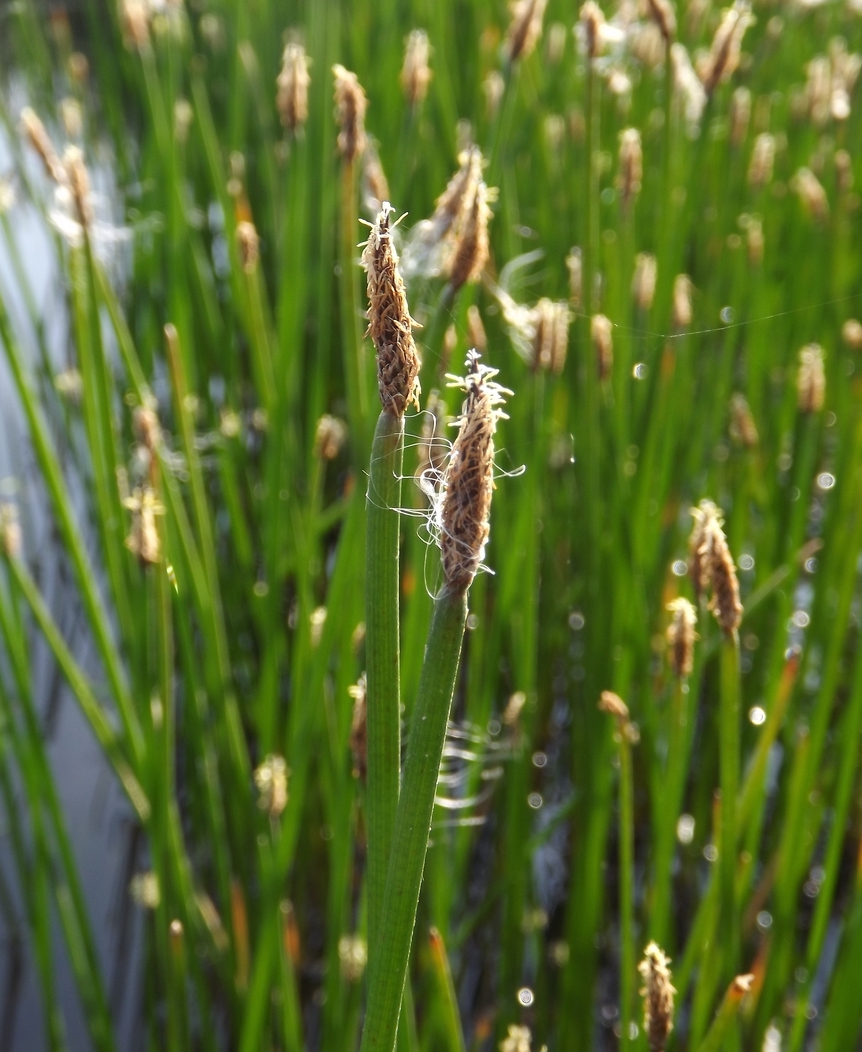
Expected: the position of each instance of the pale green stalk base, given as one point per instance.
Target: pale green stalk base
(382, 655)
(413, 821)
(729, 762)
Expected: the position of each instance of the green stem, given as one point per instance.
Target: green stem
(383, 658)
(413, 820)
(729, 763)
(627, 938)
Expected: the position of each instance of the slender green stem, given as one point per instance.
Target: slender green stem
(383, 661)
(627, 903)
(413, 820)
(729, 763)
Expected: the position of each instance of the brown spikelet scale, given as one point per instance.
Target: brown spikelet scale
(658, 994)
(724, 54)
(681, 637)
(601, 330)
(725, 602)
(468, 482)
(698, 546)
(34, 131)
(389, 323)
(78, 181)
(811, 379)
(415, 73)
(631, 166)
(470, 250)
(293, 83)
(524, 29)
(350, 105)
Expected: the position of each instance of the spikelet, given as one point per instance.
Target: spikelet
(740, 114)
(851, 334)
(743, 430)
(389, 323)
(614, 705)
(470, 250)
(687, 84)
(350, 106)
(249, 245)
(524, 29)
(648, 45)
(658, 994)
(644, 279)
(270, 779)
(681, 636)
(293, 82)
(415, 73)
(359, 728)
(465, 494)
(551, 338)
(10, 530)
(762, 161)
(135, 24)
(811, 379)
(682, 301)
(329, 437)
(812, 194)
(631, 166)
(517, 1039)
(754, 238)
(575, 266)
(601, 330)
(843, 171)
(712, 564)
(34, 132)
(143, 539)
(78, 181)
(723, 57)
(592, 29)
(662, 14)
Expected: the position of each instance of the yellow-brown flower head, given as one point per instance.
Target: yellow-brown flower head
(468, 482)
(10, 530)
(743, 429)
(293, 82)
(723, 57)
(851, 334)
(416, 73)
(601, 330)
(592, 29)
(350, 105)
(811, 379)
(661, 12)
(740, 115)
(143, 539)
(34, 131)
(249, 245)
(713, 563)
(631, 166)
(643, 280)
(524, 29)
(78, 181)
(762, 161)
(270, 778)
(658, 994)
(575, 267)
(811, 194)
(329, 437)
(470, 248)
(681, 636)
(551, 335)
(682, 301)
(389, 323)
(135, 24)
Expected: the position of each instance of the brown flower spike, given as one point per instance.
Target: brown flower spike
(389, 323)
(658, 997)
(350, 105)
(465, 495)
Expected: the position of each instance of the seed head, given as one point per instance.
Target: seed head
(389, 323)
(762, 160)
(350, 105)
(811, 379)
(851, 334)
(661, 12)
(468, 482)
(601, 330)
(812, 194)
(658, 997)
(293, 82)
(743, 430)
(592, 29)
(551, 337)
(10, 530)
(740, 114)
(329, 437)
(518, 1039)
(359, 728)
(681, 301)
(143, 539)
(687, 83)
(79, 68)
(249, 245)
(723, 57)
(681, 636)
(415, 73)
(631, 166)
(135, 24)
(78, 181)
(754, 237)
(643, 282)
(270, 778)
(352, 957)
(712, 563)
(575, 265)
(524, 29)
(470, 249)
(699, 553)
(34, 132)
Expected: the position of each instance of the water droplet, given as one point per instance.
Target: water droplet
(539, 759)
(825, 481)
(535, 801)
(525, 996)
(640, 371)
(746, 562)
(710, 853)
(764, 920)
(811, 565)
(727, 315)
(576, 621)
(757, 715)
(494, 727)
(680, 568)
(472, 622)
(800, 619)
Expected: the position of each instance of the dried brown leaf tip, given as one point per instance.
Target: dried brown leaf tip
(350, 106)
(811, 379)
(468, 482)
(658, 994)
(293, 82)
(681, 637)
(712, 564)
(524, 29)
(389, 323)
(416, 73)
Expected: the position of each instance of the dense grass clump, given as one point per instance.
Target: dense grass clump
(638, 738)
